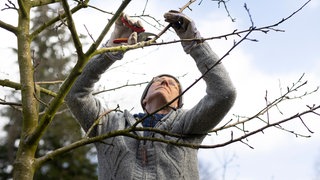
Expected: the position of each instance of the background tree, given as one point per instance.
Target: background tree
(50, 54)
(38, 121)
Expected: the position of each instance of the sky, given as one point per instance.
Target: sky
(276, 61)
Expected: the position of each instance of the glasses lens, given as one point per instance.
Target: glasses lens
(170, 81)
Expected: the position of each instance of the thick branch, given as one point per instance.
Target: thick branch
(22, 8)
(17, 86)
(58, 100)
(8, 27)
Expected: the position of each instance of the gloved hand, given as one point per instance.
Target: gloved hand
(184, 27)
(122, 31)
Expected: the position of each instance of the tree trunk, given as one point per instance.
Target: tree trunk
(24, 167)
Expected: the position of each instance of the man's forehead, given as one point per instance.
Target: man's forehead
(164, 77)
(169, 77)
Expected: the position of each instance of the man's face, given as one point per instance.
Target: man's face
(163, 89)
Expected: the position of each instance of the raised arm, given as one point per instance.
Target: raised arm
(220, 93)
(84, 106)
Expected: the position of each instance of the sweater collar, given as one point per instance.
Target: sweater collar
(149, 121)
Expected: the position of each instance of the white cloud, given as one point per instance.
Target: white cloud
(314, 4)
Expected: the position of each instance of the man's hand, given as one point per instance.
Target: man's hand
(184, 27)
(123, 31)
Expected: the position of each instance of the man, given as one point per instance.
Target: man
(128, 158)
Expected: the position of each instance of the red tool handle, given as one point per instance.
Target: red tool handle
(134, 28)
(120, 40)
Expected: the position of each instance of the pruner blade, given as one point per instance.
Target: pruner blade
(146, 36)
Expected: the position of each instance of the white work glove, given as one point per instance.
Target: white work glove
(122, 31)
(184, 27)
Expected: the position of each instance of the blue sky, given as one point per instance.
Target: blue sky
(278, 59)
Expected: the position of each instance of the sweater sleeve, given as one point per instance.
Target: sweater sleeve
(84, 106)
(219, 98)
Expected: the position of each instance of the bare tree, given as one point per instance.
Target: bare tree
(35, 124)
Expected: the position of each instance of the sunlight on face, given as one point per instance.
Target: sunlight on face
(164, 88)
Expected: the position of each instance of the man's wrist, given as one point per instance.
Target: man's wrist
(118, 55)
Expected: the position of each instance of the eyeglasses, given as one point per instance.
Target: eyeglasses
(170, 81)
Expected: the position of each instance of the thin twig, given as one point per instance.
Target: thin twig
(97, 121)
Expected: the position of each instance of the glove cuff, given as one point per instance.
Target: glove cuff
(188, 45)
(114, 56)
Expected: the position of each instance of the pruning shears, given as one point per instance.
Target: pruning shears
(142, 35)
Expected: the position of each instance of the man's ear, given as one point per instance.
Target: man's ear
(144, 102)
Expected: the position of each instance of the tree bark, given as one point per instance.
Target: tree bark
(24, 164)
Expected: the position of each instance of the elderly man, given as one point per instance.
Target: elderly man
(128, 158)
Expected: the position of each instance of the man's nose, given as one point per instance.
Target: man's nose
(165, 82)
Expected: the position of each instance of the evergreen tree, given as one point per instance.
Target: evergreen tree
(50, 57)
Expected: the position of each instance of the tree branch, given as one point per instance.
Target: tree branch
(119, 87)
(8, 27)
(22, 8)
(10, 103)
(169, 25)
(264, 29)
(17, 86)
(58, 18)
(95, 45)
(298, 115)
(127, 132)
(273, 104)
(36, 3)
(72, 28)
(64, 89)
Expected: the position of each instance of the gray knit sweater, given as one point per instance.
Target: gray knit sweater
(126, 158)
